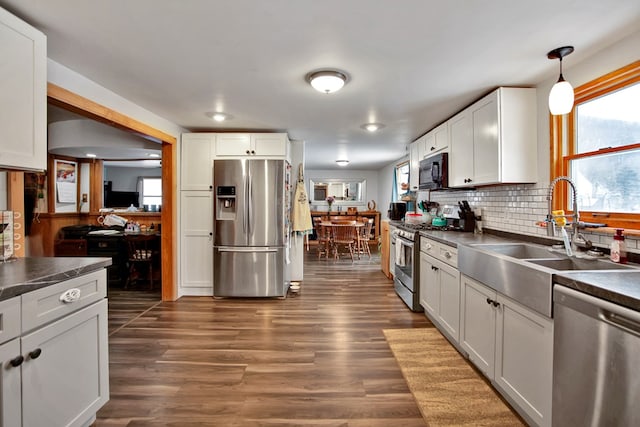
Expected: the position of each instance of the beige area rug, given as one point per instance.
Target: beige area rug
(447, 389)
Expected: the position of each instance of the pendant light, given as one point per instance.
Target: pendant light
(561, 95)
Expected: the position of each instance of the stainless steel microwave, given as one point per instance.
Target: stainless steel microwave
(433, 172)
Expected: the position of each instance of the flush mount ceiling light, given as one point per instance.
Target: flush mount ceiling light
(154, 155)
(561, 95)
(91, 155)
(372, 127)
(342, 162)
(327, 81)
(218, 116)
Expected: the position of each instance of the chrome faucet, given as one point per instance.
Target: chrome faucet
(577, 239)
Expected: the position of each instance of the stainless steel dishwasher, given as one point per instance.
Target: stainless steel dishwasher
(596, 358)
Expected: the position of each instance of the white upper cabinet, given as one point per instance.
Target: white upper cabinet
(264, 145)
(494, 141)
(23, 105)
(197, 152)
(435, 140)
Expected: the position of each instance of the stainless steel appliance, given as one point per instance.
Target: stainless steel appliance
(596, 354)
(433, 172)
(250, 209)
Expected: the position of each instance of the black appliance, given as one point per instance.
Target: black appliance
(397, 210)
(433, 173)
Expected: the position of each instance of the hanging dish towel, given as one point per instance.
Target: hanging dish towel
(301, 214)
(400, 256)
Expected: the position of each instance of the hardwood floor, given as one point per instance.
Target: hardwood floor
(316, 358)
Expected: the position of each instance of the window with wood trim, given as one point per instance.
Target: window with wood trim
(598, 146)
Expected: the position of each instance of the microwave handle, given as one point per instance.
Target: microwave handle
(435, 172)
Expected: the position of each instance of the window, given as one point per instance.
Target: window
(402, 178)
(598, 146)
(151, 191)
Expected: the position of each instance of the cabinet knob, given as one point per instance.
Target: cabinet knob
(253, 152)
(434, 268)
(488, 300)
(211, 187)
(433, 148)
(495, 303)
(248, 152)
(35, 353)
(17, 361)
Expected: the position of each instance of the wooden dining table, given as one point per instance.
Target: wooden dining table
(356, 225)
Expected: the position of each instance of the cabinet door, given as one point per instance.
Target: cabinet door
(10, 385)
(440, 137)
(269, 144)
(461, 149)
(478, 328)
(425, 142)
(23, 105)
(234, 144)
(450, 300)
(196, 241)
(486, 149)
(429, 285)
(414, 166)
(68, 381)
(524, 359)
(197, 161)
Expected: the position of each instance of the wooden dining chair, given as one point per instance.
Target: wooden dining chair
(141, 253)
(323, 238)
(343, 236)
(364, 235)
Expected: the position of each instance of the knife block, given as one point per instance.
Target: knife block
(468, 222)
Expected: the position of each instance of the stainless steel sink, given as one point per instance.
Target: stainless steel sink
(523, 271)
(579, 264)
(522, 250)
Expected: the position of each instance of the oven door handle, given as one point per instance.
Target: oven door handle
(404, 241)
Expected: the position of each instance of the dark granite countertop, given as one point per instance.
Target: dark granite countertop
(618, 287)
(28, 274)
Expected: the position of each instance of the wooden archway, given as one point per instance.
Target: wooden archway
(85, 107)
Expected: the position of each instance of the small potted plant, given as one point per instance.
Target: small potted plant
(330, 201)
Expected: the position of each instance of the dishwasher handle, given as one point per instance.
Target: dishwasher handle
(613, 314)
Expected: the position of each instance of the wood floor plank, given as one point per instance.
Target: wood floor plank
(316, 358)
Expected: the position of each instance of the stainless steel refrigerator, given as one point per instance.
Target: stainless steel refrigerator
(250, 227)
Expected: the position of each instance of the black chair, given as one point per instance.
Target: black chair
(142, 251)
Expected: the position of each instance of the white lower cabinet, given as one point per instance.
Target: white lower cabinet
(56, 371)
(440, 286)
(512, 345)
(196, 242)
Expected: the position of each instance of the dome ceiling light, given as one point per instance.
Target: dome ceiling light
(372, 127)
(327, 81)
(561, 96)
(342, 162)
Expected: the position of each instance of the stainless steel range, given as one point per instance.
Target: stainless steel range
(406, 272)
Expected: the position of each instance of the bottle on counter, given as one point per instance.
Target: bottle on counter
(619, 248)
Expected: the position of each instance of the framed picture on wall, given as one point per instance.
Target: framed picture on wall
(66, 185)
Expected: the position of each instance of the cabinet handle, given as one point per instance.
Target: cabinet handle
(496, 304)
(17, 361)
(489, 301)
(70, 295)
(434, 268)
(433, 148)
(447, 254)
(35, 353)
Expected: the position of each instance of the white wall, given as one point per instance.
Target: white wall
(385, 186)
(370, 176)
(126, 178)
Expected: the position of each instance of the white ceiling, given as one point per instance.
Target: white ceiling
(412, 63)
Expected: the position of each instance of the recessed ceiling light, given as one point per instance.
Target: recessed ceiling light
(218, 116)
(91, 155)
(372, 127)
(342, 162)
(155, 155)
(327, 81)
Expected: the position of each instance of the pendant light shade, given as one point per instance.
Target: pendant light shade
(561, 96)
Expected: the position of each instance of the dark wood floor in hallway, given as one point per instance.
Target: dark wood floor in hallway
(318, 358)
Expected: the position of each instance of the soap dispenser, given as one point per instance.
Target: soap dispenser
(619, 248)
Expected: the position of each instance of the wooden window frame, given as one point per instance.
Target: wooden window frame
(563, 136)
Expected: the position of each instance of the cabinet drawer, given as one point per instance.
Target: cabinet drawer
(47, 304)
(9, 319)
(440, 251)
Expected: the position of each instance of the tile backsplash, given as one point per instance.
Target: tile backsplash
(516, 209)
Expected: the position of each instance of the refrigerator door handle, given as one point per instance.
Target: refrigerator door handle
(249, 205)
(245, 219)
(245, 249)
